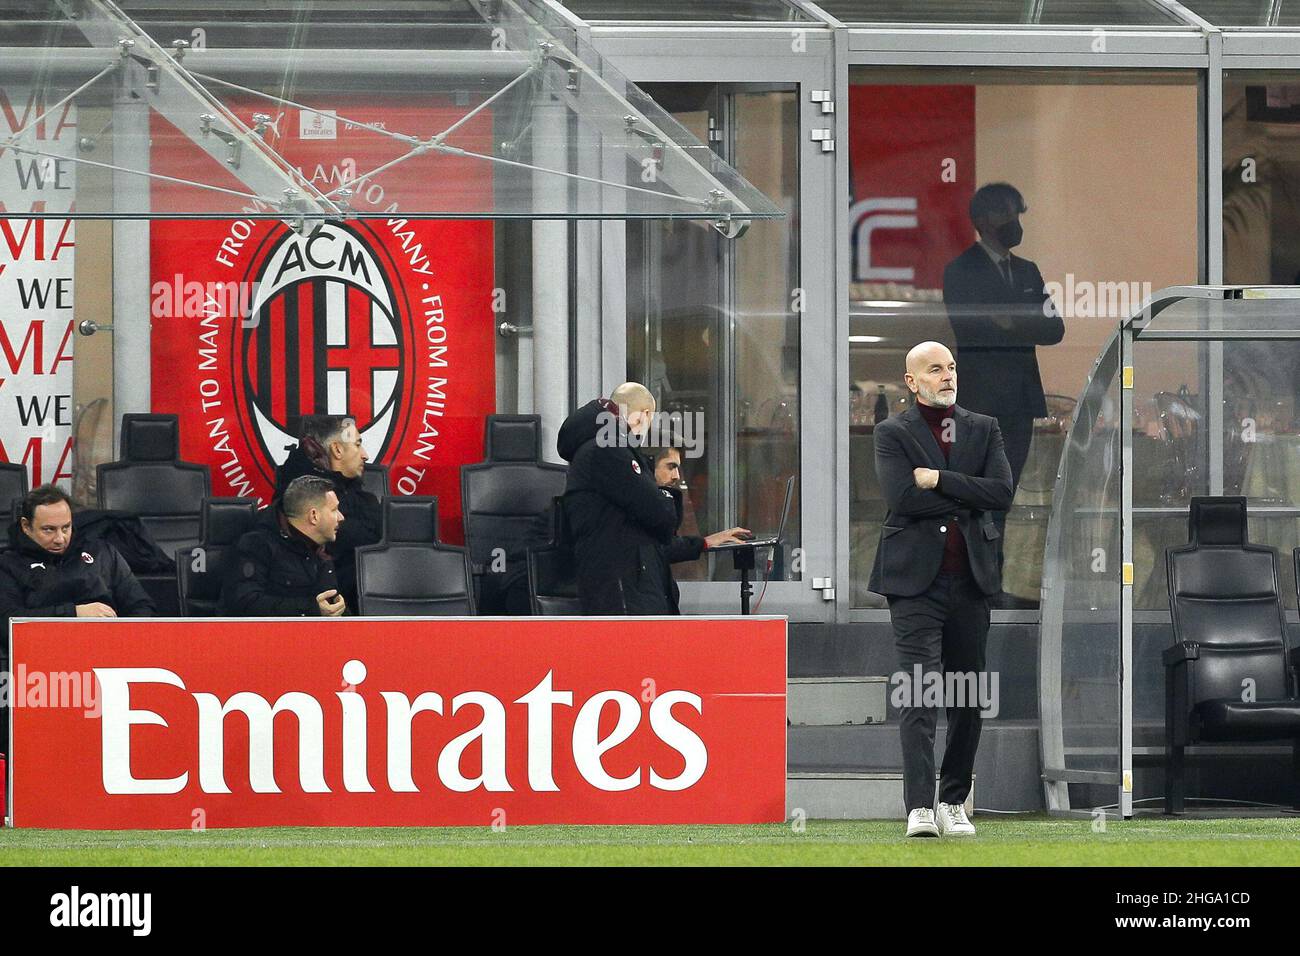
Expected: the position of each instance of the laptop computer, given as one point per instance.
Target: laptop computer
(765, 540)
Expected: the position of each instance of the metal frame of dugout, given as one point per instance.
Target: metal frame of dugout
(1086, 664)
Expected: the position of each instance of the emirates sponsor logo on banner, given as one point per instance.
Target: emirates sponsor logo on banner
(395, 723)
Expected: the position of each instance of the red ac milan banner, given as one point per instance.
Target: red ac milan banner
(388, 320)
(156, 724)
(912, 160)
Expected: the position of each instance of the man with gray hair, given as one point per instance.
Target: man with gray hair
(943, 471)
(282, 568)
(330, 447)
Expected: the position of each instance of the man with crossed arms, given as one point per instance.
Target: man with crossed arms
(943, 471)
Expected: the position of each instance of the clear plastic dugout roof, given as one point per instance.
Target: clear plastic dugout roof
(423, 108)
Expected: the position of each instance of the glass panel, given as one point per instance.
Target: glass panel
(1170, 461)
(713, 328)
(1261, 222)
(1047, 12)
(1080, 629)
(492, 114)
(921, 143)
(1246, 13)
(1261, 177)
(721, 10)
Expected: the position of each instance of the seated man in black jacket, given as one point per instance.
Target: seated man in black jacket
(686, 547)
(282, 568)
(330, 447)
(49, 571)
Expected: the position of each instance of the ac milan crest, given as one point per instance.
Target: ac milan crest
(327, 333)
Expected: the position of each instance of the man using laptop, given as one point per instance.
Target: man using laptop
(667, 474)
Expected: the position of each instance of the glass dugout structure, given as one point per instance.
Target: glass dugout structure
(747, 204)
(1158, 423)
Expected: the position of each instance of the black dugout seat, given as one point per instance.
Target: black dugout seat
(502, 495)
(1229, 674)
(410, 519)
(150, 481)
(410, 574)
(13, 485)
(375, 480)
(553, 582)
(200, 570)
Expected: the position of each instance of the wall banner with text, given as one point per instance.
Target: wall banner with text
(388, 320)
(36, 261)
(155, 724)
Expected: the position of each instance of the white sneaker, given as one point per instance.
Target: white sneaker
(920, 823)
(953, 820)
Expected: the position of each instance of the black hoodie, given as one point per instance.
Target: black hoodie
(362, 517)
(620, 523)
(37, 583)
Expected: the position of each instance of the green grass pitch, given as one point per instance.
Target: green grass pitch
(1026, 840)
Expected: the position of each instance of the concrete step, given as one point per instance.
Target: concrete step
(850, 795)
(846, 650)
(1007, 760)
(836, 701)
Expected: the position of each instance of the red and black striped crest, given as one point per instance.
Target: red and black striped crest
(324, 336)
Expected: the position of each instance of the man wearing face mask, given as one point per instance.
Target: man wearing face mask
(1000, 312)
(620, 522)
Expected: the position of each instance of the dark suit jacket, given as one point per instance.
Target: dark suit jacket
(973, 482)
(996, 328)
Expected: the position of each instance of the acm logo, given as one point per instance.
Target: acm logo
(328, 332)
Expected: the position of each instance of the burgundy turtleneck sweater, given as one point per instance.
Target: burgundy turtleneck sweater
(955, 560)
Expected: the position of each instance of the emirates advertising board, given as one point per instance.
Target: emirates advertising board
(155, 724)
(388, 320)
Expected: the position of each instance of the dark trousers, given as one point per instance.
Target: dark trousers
(943, 629)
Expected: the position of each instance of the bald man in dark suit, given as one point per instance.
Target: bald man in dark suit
(943, 472)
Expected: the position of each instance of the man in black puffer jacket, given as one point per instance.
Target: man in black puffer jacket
(330, 447)
(50, 571)
(280, 568)
(620, 521)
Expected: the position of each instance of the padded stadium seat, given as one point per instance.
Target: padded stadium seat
(1229, 635)
(410, 574)
(552, 582)
(411, 519)
(152, 482)
(223, 521)
(503, 494)
(13, 485)
(375, 480)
